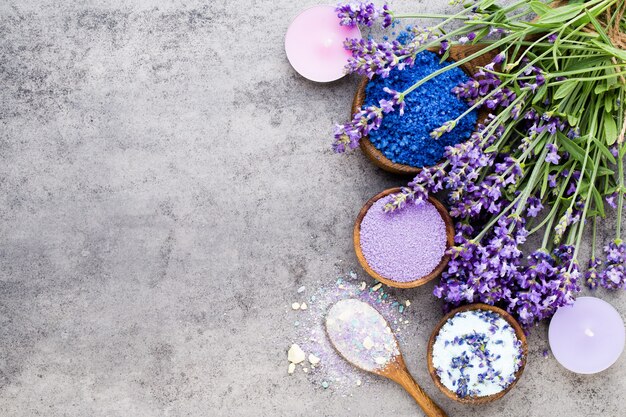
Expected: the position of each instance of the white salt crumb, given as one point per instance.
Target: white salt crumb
(295, 354)
(377, 287)
(363, 285)
(408, 303)
(380, 360)
(303, 306)
(301, 289)
(367, 343)
(358, 383)
(313, 359)
(291, 369)
(295, 306)
(305, 370)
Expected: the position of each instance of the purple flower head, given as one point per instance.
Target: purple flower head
(552, 156)
(499, 58)
(613, 276)
(553, 37)
(591, 275)
(534, 206)
(446, 127)
(444, 47)
(363, 13)
(611, 200)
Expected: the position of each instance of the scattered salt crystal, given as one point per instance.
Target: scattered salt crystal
(314, 360)
(295, 306)
(363, 285)
(358, 382)
(301, 289)
(352, 274)
(305, 370)
(325, 384)
(380, 360)
(303, 306)
(292, 368)
(295, 354)
(367, 343)
(407, 302)
(377, 287)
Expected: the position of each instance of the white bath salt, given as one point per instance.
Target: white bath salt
(407, 303)
(295, 306)
(295, 354)
(349, 323)
(358, 383)
(305, 370)
(363, 285)
(367, 343)
(477, 353)
(301, 289)
(377, 287)
(314, 360)
(292, 368)
(303, 306)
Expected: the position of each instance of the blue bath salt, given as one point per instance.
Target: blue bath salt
(406, 139)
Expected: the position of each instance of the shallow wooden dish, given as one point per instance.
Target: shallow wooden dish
(457, 52)
(488, 398)
(388, 281)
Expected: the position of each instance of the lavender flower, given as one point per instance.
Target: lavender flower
(613, 276)
(552, 156)
(370, 58)
(591, 275)
(363, 13)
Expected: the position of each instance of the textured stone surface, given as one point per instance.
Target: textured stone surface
(166, 184)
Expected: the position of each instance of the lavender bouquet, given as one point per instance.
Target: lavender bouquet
(548, 158)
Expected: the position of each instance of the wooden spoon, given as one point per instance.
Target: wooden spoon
(348, 323)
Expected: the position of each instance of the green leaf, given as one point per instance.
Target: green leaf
(598, 200)
(544, 184)
(610, 130)
(574, 150)
(541, 93)
(601, 88)
(608, 103)
(572, 120)
(618, 53)
(560, 14)
(604, 151)
(565, 89)
(604, 171)
(599, 28)
(539, 8)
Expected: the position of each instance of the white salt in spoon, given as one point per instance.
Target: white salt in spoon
(362, 336)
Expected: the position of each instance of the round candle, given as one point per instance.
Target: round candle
(314, 44)
(588, 336)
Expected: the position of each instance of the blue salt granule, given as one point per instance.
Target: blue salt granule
(406, 139)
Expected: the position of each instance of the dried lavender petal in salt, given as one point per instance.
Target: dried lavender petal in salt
(404, 245)
(361, 334)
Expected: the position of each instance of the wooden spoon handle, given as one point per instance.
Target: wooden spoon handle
(421, 398)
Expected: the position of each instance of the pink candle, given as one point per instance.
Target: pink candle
(588, 336)
(314, 44)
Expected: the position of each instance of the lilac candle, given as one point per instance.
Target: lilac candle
(314, 44)
(404, 245)
(588, 336)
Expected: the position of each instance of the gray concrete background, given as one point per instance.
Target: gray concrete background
(166, 184)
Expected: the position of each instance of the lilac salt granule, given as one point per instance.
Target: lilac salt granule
(403, 245)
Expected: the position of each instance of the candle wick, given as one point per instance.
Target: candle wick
(589, 333)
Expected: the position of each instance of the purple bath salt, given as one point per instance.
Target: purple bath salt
(403, 245)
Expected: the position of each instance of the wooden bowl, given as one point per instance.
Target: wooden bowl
(519, 332)
(387, 280)
(457, 52)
